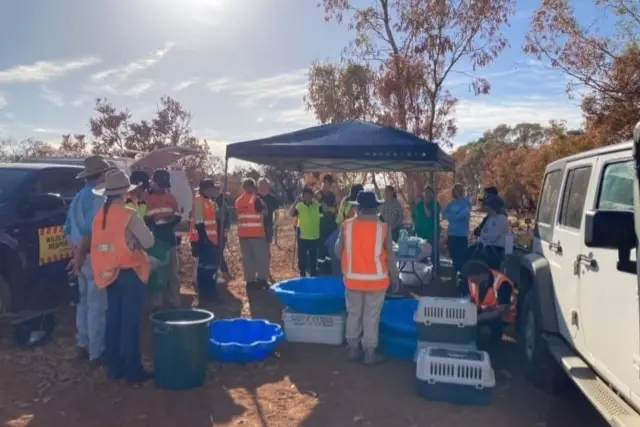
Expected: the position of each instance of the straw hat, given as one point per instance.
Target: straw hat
(115, 183)
(94, 165)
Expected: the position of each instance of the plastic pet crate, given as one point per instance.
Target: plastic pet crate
(313, 328)
(446, 320)
(312, 295)
(243, 340)
(399, 347)
(455, 376)
(464, 347)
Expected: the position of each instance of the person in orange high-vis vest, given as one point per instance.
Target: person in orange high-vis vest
(121, 265)
(205, 240)
(250, 211)
(364, 247)
(495, 296)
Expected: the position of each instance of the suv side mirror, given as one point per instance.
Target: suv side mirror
(41, 202)
(609, 229)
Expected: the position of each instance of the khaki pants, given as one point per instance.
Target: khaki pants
(171, 297)
(363, 318)
(255, 259)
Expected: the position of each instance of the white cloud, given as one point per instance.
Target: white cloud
(475, 117)
(219, 85)
(41, 71)
(296, 117)
(3, 102)
(185, 84)
(121, 74)
(78, 102)
(282, 86)
(10, 116)
(51, 131)
(114, 81)
(52, 97)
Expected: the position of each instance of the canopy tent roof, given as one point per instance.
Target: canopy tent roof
(349, 146)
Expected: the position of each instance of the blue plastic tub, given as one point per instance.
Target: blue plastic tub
(397, 318)
(399, 347)
(243, 340)
(312, 295)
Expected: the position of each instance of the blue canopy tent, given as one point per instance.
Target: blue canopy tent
(351, 146)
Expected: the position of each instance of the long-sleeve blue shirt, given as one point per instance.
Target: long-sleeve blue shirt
(82, 212)
(458, 214)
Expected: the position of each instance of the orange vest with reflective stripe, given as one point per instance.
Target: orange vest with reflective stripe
(490, 300)
(109, 250)
(210, 222)
(161, 207)
(364, 257)
(250, 221)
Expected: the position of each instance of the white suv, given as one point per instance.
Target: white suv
(578, 287)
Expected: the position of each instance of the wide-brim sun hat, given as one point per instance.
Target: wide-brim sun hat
(366, 200)
(207, 184)
(116, 183)
(493, 202)
(94, 165)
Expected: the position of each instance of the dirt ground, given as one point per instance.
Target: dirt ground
(303, 385)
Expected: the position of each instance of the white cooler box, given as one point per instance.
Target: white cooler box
(312, 328)
(455, 376)
(446, 320)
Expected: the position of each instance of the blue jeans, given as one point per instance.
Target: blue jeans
(90, 317)
(125, 301)
(207, 271)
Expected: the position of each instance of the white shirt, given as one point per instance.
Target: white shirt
(494, 231)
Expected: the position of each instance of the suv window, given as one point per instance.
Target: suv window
(549, 197)
(574, 196)
(60, 181)
(616, 188)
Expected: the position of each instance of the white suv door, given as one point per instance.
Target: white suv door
(566, 245)
(608, 297)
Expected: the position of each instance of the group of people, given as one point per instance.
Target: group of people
(122, 230)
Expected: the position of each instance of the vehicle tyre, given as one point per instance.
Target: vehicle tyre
(34, 332)
(539, 366)
(5, 296)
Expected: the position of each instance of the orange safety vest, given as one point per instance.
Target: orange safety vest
(490, 300)
(250, 221)
(209, 221)
(161, 207)
(109, 250)
(364, 256)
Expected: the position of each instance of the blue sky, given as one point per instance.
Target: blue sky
(238, 65)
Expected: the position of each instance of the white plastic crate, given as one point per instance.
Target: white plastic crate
(311, 328)
(446, 320)
(464, 347)
(455, 376)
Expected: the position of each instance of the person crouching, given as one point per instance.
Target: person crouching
(368, 268)
(204, 239)
(119, 238)
(494, 294)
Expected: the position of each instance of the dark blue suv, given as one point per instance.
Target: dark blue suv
(34, 200)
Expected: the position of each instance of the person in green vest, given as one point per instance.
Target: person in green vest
(135, 198)
(309, 214)
(347, 207)
(426, 218)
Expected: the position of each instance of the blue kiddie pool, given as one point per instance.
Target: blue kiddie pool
(396, 318)
(312, 295)
(243, 340)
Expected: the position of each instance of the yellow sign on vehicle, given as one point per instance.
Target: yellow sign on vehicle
(53, 246)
